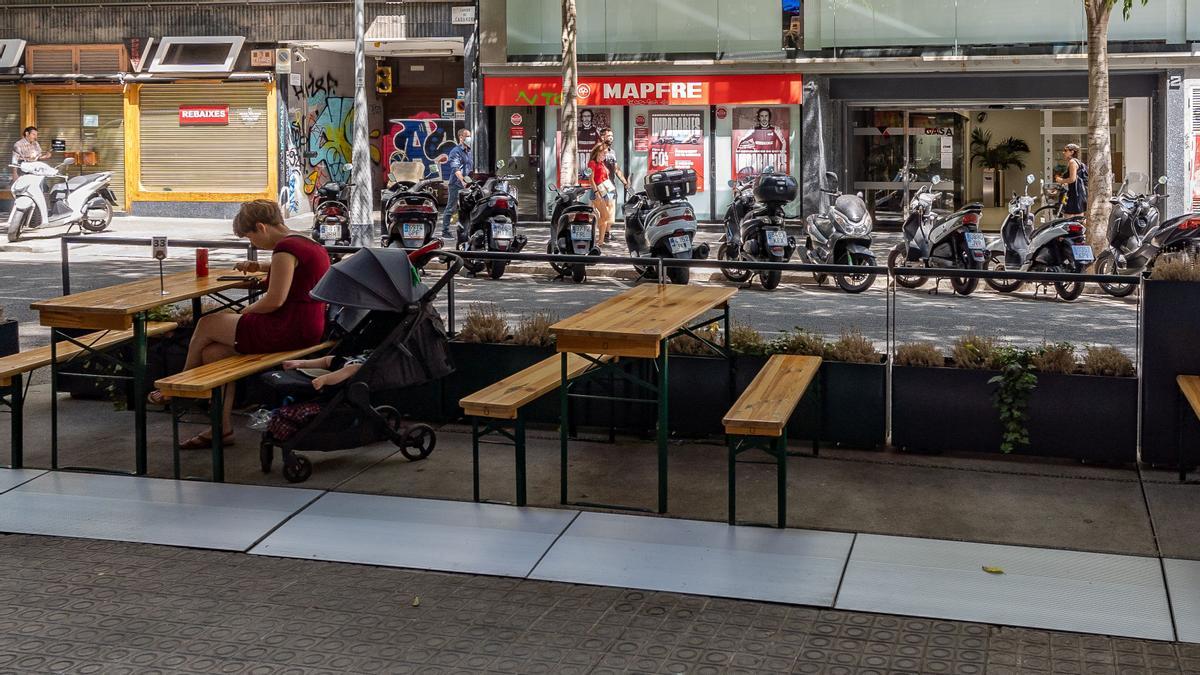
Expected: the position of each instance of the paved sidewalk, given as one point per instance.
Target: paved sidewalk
(74, 606)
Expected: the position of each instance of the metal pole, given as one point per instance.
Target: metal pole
(361, 232)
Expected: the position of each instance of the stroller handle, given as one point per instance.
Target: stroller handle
(453, 264)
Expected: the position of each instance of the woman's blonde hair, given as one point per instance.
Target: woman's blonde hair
(600, 148)
(254, 212)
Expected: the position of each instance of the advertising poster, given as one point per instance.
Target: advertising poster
(677, 142)
(760, 140)
(591, 121)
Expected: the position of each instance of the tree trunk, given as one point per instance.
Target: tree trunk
(567, 170)
(1099, 159)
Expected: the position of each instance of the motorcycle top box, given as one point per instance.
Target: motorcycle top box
(775, 187)
(671, 184)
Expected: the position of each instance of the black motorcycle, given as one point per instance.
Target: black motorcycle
(754, 226)
(487, 221)
(410, 213)
(946, 242)
(331, 211)
(1137, 236)
(661, 223)
(841, 236)
(572, 230)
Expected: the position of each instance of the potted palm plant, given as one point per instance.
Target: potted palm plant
(996, 159)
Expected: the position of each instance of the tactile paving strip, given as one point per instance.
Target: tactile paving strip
(1031, 587)
(706, 558)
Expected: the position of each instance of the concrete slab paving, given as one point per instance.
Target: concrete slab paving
(1175, 509)
(11, 478)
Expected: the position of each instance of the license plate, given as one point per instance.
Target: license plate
(1082, 253)
(502, 230)
(414, 231)
(679, 244)
(581, 232)
(776, 238)
(975, 241)
(330, 232)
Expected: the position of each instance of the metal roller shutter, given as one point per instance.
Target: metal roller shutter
(63, 116)
(10, 128)
(221, 159)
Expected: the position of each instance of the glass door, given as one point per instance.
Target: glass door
(518, 146)
(937, 148)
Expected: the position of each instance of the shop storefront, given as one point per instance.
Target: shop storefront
(10, 130)
(85, 124)
(722, 126)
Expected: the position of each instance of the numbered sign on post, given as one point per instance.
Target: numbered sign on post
(159, 247)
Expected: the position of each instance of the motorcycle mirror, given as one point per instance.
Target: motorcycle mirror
(69, 161)
(833, 177)
(1162, 180)
(348, 167)
(731, 183)
(551, 188)
(860, 194)
(586, 173)
(1029, 179)
(500, 164)
(769, 169)
(936, 179)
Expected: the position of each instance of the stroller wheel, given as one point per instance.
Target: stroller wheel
(266, 453)
(419, 442)
(299, 470)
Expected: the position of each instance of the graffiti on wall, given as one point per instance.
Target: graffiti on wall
(330, 125)
(424, 138)
(290, 168)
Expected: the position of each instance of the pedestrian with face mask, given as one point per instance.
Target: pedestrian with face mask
(462, 165)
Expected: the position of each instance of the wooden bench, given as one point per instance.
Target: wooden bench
(503, 402)
(14, 367)
(758, 420)
(1189, 390)
(208, 382)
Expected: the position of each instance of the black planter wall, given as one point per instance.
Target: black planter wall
(1170, 326)
(1070, 416)
(10, 338)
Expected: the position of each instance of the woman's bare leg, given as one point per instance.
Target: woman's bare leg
(214, 329)
(216, 352)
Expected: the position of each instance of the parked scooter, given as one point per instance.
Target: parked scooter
(948, 242)
(660, 223)
(1136, 237)
(754, 226)
(488, 207)
(572, 229)
(841, 236)
(1057, 246)
(43, 196)
(410, 213)
(331, 211)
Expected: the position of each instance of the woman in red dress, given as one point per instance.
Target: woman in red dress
(283, 319)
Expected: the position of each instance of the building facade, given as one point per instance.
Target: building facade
(196, 108)
(889, 94)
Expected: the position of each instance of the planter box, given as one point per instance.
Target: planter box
(1072, 416)
(10, 337)
(1170, 324)
(480, 365)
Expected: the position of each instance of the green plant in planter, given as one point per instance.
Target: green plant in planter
(1007, 154)
(744, 339)
(852, 347)
(919, 355)
(1011, 398)
(798, 341)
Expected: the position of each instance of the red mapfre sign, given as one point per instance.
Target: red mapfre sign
(649, 90)
(210, 115)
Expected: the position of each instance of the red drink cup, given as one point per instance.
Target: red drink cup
(201, 262)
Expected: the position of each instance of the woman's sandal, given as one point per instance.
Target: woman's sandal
(203, 441)
(156, 397)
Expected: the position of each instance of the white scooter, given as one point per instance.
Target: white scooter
(43, 196)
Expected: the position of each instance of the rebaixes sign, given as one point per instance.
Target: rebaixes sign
(201, 115)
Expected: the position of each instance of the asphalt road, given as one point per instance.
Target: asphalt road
(1020, 319)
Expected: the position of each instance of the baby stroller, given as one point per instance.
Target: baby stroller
(382, 307)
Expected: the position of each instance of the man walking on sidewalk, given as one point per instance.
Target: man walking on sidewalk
(462, 165)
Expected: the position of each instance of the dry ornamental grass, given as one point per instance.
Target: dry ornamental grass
(919, 355)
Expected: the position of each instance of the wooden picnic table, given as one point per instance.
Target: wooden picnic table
(638, 323)
(122, 307)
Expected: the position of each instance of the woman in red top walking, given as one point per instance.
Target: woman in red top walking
(603, 193)
(283, 319)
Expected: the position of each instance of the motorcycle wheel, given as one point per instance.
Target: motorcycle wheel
(561, 269)
(1069, 290)
(578, 273)
(1106, 263)
(496, 268)
(644, 271)
(847, 281)
(34, 219)
(770, 280)
(965, 285)
(98, 224)
(897, 260)
(472, 266)
(679, 275)
(731, 273)
(1002, 285)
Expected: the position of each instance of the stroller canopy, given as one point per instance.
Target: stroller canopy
(371, 279)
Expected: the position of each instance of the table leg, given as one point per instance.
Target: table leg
(729, 358)
(662, 426)
(16, 405)
(53, 398)
(731, 446)
(215, 413)
(139, 393)
(197, 310)
(475, 457)
(781, 458)
(519, 442)
(564, 405)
